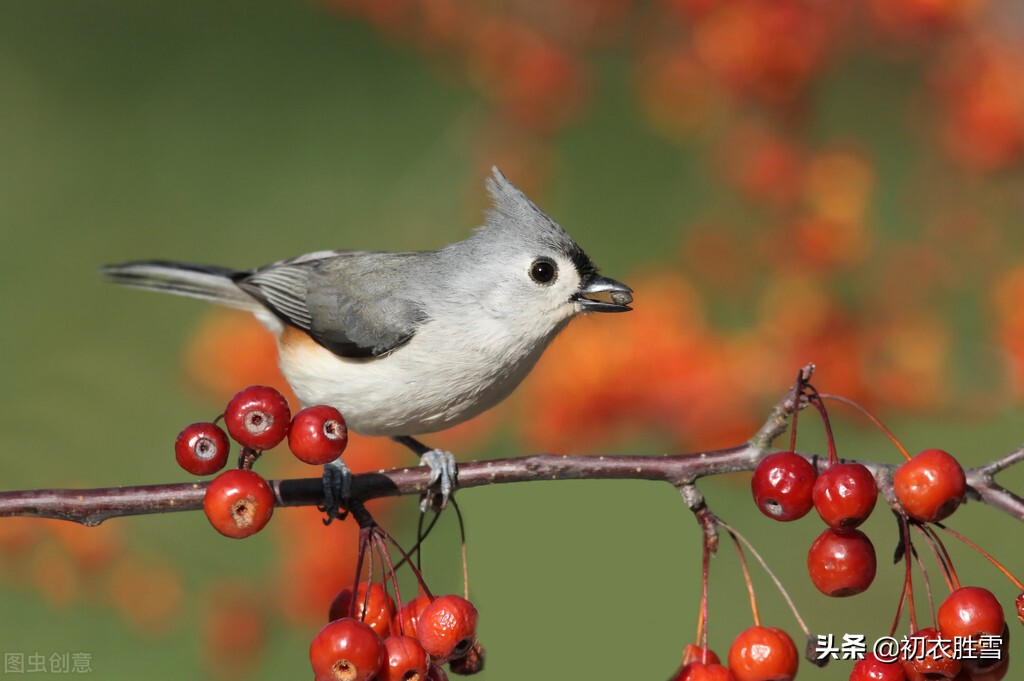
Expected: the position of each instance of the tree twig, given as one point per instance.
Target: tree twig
(93, 506)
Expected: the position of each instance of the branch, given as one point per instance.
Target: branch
(93, 506)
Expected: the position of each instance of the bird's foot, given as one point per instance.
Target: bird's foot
(444, 476)
(337, 490)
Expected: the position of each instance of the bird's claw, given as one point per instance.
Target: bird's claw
(337, 490)
(444, 476)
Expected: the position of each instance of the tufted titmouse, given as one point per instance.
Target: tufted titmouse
(411, 343)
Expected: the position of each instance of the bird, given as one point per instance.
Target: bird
(405, 344)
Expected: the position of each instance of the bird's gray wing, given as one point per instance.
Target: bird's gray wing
(356, 304)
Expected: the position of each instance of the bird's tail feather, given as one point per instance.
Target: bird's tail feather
(206, 282)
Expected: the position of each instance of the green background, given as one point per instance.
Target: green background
(239, 133)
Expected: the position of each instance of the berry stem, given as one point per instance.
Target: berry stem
(908, 578)
(874, 419)
(701, 638)
(746, 578)
(952, 579)
(988, 556)
(364, 542)
(705, 571)
(768, 570)
(421, 535)
(415, 569)
(927, 584)
(380, 537)
(899, 609)
(462, 537)
(798, 388)
(833, 456)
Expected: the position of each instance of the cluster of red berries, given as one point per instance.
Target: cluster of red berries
(971, 615)
(239, 502)
(369, 638)
(841, 561)
(757, 654)
(970, 636)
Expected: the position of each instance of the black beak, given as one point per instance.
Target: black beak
(601, 294)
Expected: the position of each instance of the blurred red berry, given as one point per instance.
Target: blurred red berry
(870, 668)
(693, 653)
(447, 627)
(238, 503)
(202, 448)
(841, 562)
(763, 654)
(697, 671)
(406, 660)
(376, 609)
(234, 629)
(258, 417)
(845, 494)
(318, 435)
(982, 105)
(404, 622)
(782, 486)
(543, 87)
(346, 650)
(930, 486)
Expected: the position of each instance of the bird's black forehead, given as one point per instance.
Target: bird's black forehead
(584, 265)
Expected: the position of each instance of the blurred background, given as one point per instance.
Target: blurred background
(780, 181)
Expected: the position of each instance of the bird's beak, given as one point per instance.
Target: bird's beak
(601, 294)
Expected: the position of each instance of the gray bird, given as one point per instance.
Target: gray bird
(410, 343)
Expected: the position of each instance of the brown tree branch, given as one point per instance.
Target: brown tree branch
(93, 506)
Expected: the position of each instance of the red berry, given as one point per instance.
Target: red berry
(782, 486)
(238, 503)
(763, 654)
(447, 627)
(346, 650)
(697, 671)
(970, 611)
(841, 562)
(693, 653)
(405, 660)
(202, 448)
(257, 417)
(377, 609)
(405, 621)
(924, 660)
(930, 486)
(318, 434)
(870, 668)
(845, 494)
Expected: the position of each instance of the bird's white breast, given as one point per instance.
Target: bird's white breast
(444, 375)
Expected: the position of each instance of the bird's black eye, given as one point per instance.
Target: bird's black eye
(543, 271)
